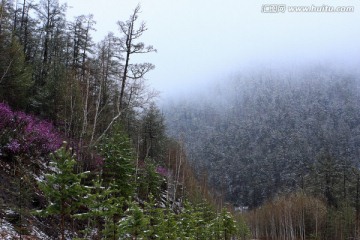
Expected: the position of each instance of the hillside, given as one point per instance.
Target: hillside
(83, 149)
(47, 194)
(263, 137)
(86, 151)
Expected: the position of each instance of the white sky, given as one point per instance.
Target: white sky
(201, 40)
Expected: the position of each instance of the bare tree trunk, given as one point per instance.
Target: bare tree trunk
(357, 204)
(177, 172)
(133, 71)
(62, 224)
(85, 109)
(6, 71)
(15, 18)
(104, 74)
(2, 7)
(96, 115)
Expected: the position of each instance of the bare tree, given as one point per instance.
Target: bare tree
(128, 45)
(106, 66)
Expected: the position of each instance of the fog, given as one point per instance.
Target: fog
(204, 40)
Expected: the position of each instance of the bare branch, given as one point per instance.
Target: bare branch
(6, 71)
(139, 70)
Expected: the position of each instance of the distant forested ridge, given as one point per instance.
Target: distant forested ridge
(261, 135)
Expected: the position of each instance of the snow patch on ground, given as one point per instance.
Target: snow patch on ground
(40, 178)
(7, 231)
(38, 233)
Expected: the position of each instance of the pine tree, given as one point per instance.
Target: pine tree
(187, 221)
(243, 231)
(63, 188)
(153, 134)
(200, 221)
(15, 74)
(149, 181)
(162, 221)
(170, 225)
(105, 208)
(228, 225)
(135, 224)
(112, 211)
(119, 162)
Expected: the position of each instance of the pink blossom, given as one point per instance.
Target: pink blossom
(13, 146)
(24, 133)
(6, 115)
(162, 171)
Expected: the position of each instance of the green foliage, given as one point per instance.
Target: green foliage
(15, 75)
(153, 134)
(170, 225)
(149, 182)
(259, 135)
(63, 188)
(118, 162)
(105, 207)
(108, 196)
(49, 99)
(325, 179)
(111, 211)
(202, 222)
(340, 223)
(243, 230)
(49, 67)
(156, 216)
(161, 221)
(227, 225)
(187, 222)
(135, 224)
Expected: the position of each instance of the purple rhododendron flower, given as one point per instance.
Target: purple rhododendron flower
(23, 118)
(6, 115)
(44, 134)
(162, 171)
(13, 146)
(26, 133)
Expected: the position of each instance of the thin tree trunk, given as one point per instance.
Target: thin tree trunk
(6, 71)
(177, 173)
(2, 6)
(357, 205)
(85, 109)
(127, 59)
(98, 101)
(62, 224)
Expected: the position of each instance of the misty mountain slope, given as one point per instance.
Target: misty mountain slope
(257, 136)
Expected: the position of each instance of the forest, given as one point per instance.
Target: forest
(87, 151)
(83, 148)
(282, 145)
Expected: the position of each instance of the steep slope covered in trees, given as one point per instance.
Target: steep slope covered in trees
(123, 196)
(267, 134)
(284, 145)
(100, 166)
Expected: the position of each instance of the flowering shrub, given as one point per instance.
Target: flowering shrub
(162, 171)
(13, 146)
(6, 115)
(25, 134)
